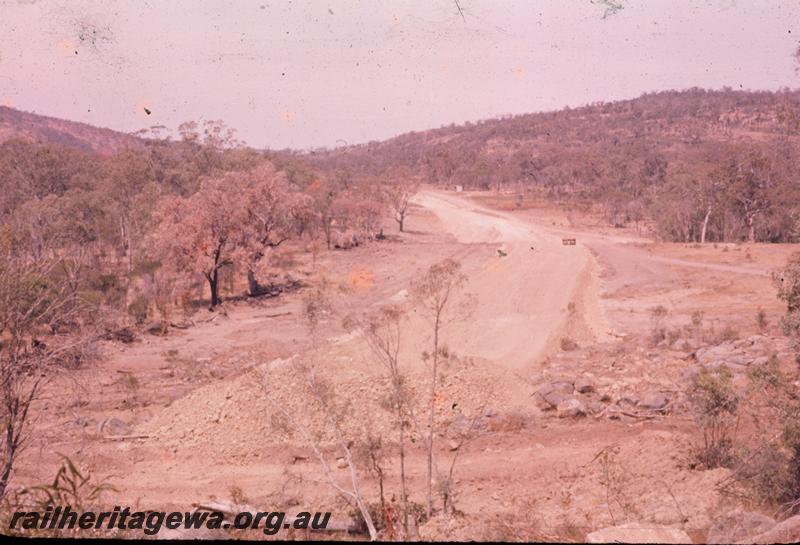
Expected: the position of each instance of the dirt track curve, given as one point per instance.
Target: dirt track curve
(523, 297)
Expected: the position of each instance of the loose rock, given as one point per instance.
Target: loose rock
(653, 401)
(787, 531)
(114, 426)
(637, 532)
(584, 386)
(550, 395)
(571, 408)
(629, 399)
(739, 525)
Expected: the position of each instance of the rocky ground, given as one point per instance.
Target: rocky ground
(564, 401)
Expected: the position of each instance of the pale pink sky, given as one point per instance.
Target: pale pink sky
(317, 72)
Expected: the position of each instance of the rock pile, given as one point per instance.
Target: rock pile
(735, 355)
(575, 398)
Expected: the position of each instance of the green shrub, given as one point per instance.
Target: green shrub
(727, 334)
(761, 320)
(770, 465)
(714, 405)
(139, 309)
(658, 332)
(568, 344)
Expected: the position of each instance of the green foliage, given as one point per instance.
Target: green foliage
(107, 282)
(139, 309)
(761, 320)
(714, 405)
(787, 283)
(568, 344)
(146, 266)
(658, 332)
(728, 333)
(71, 486)
(768, 465)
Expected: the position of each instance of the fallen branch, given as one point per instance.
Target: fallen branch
(627, 413)
(638, 415)
(277, 315)
(125, 437)
(177, 325)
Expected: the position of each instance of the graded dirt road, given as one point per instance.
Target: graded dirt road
(524, 296)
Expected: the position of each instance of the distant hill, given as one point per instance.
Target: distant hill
(51, 130)
(667, 122)
(692, 165)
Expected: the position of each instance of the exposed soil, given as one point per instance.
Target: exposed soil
(200, 397)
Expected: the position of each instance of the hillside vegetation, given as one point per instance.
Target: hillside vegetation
(51, 130)
(693, 165)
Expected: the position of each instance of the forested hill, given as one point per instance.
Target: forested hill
(689, 165)
(668, 120)
(723, 163)
(50, 130)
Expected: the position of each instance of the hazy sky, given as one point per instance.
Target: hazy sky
(317, 72)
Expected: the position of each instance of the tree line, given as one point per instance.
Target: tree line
(688, 166)
(190, 208)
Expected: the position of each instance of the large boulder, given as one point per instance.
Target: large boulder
(739, 525)
(739, 359)
(737, 355)
(639, 532)
(787, 531)
(760, 360)
(710, 354)
(758, 343)
(562, 386)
